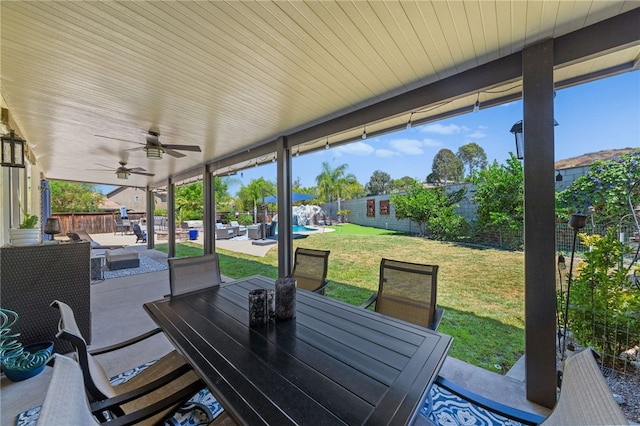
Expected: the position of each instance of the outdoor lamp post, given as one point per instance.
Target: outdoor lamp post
(576, 222)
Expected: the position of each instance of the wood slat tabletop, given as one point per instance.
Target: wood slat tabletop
(333, 364)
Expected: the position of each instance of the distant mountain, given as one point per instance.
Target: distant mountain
(588, 159)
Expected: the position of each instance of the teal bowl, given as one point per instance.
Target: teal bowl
(16, 375)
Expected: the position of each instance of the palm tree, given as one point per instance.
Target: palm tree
(332, 182)
(253, 192)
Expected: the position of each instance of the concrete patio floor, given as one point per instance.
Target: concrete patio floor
(117, 314)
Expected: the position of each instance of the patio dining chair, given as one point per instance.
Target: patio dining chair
(154, 386)
(585, 397)
(407, 291)
(188, 274)
(66, 401)
(310, 269)
(140, 234)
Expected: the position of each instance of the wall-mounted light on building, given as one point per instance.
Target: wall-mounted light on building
(476, 106)
(12, 145)
(517, 130)
(559, 177)
(12, 150)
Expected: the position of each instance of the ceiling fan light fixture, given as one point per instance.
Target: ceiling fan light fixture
(122, 174)
(154, 152)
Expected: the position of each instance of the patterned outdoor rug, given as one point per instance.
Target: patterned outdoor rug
(447, 410)
(146, 265)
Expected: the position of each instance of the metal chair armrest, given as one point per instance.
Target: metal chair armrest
(437, 317)
(320, 290)
(369, 301)
(137, 416)
(106, 349)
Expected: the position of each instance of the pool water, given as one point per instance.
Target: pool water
(298, 228)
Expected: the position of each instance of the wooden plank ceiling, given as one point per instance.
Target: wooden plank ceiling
(84, 81)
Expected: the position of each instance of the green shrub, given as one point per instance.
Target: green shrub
(448, 226)
(245, 219)
(604, 309)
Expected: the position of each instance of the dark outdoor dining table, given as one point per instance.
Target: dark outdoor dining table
(333, 364)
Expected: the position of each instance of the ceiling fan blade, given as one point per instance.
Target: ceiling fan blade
(194, 148)
(141, 173)
(135, 149)
(100, 170)
(115, 139)
(137, 169)
(106, 167)
(173, 153)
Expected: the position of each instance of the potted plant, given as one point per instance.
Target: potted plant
(28, 233)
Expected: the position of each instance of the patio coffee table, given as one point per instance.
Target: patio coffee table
(122, 258)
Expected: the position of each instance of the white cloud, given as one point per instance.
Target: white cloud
(385, 153)
(440, 129)
(431, 143)
(407, 146)
(478, 134)
(356, 148)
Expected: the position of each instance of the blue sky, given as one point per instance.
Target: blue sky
(603, 114)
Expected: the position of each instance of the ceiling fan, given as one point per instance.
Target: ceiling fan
(155, 149)
(123, 172)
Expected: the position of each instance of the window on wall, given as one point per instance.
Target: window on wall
(371, 208)
(384, 207)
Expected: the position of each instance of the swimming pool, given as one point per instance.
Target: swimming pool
(299, 228)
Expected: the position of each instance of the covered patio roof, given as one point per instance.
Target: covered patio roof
(245, 82)
(85, 81)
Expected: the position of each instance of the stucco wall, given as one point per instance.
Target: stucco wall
(358, 208)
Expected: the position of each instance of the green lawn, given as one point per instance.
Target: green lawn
(481, 290)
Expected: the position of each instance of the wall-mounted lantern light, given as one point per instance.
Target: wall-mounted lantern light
(12, 150)
(517, 131)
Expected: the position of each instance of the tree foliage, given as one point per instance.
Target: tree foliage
(431, 209)
(605, 188)
(447, 167)
(67, 197)
(189, 202)
(473, 157)
(402, 184)
(601, 288)
(499, 195)
(332, 184)
(379, 183)
(190, 199)
(250, 196)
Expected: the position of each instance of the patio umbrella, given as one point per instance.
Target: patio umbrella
(46, 204)
(295, 196)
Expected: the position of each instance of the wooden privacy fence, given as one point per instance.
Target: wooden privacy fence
(93, 223)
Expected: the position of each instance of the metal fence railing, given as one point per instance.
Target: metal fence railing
(615, 337)
(513, 239)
